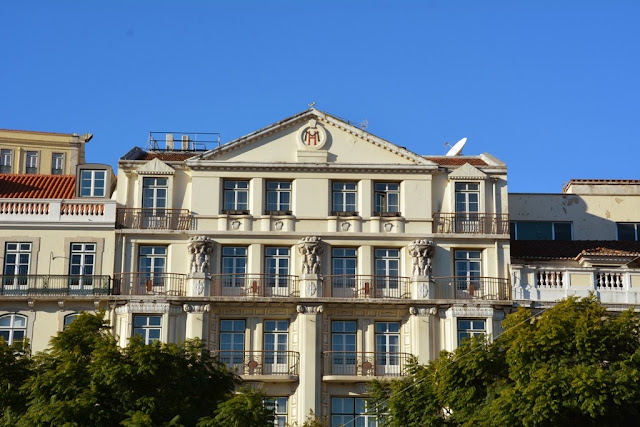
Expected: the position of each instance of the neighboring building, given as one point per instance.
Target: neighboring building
(45, 153)
(583, 240)
(311, 256)
(56, 249)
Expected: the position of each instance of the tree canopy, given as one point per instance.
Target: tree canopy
(575, 362)
(84, 378)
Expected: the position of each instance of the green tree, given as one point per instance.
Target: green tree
(15, 368)
(86, 379)
(246, 408)
(575, 362)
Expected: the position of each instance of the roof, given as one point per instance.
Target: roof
(569, 249)
(137, 153)
(601, 182)
(38, 132)
(13, 186)
(456, 160)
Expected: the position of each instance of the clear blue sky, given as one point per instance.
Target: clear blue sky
(550, 87)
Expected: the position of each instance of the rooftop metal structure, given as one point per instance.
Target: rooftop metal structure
(183, 141)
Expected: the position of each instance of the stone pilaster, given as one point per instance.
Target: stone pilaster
(310, 387)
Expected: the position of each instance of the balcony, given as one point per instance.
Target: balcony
(470, 223)
(360, 286)
(471, 288)
(154, 219)
(345, 365)
(54, 285)
(254, 285)
(170, 284)
(94, 213)
(261, 365)
(610, 285)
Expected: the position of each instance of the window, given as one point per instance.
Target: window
(279, 197)
(276, 268)
(92, 183)
(344, 198)
(468, 328)
(57, 164)
(351, 411)
(13, 327)
(279, 405)
(154, 193)
(343, 347)
(69, 319)
(81, 267)
(387, 348)
(344, 265)
(468, 274)
(232, 344)
(234, 268)
(148, 327)
(17, 257)
(467, 207)
(628, 231)
(5, 161)
(540, 230)
(387, 265)
(276, 341)
(152, 263)
(387, 197)
(236, 197)
(32, 162)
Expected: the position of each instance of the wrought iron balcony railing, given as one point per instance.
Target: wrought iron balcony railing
(464, 287)
(260, 362)
(471, 223)
(361, 286)
(254, 285)
(154, 219)
(365, 364)
(54, 285)
(149, 284)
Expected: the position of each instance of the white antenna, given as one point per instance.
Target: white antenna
(313, 104)
(364, 124)
(456, 150)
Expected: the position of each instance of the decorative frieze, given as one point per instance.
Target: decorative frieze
(470, 312)
(148, 307)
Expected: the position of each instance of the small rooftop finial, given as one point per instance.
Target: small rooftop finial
(313, 104)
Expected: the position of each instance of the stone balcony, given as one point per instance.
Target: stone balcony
(54, 285)
(54, 212)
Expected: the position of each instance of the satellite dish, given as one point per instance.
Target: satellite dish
(456, 150)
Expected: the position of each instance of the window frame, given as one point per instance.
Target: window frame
(636, 231)
(69, 319)
(471, 331)
(6, 160)
(235, 207)
(381, 199)
(92, 180)
(31, 158)
(147, 327)
(11, 328)
(57, 158)
(280, 208)
(281, 417)
(340, 418)
(344, 204)
(513, 229)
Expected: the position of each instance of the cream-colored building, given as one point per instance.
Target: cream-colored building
(46, 153)
(584, 240)
(57, 250)
(312, 256)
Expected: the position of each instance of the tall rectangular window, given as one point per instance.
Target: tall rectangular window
(345, 195)
(387, 265)
(279, 406)
(82, 267)
(467, 207)
(6, 158)
(154, 202)
(32, 162)
(234, 268)
(232, 344)
(628, 231)
(468, 273)
(236, 197)
(92, 183)
(17, 257)
(276, 271)
(351, 411)
(344, 267)
(279, 197)
(57, 163)
(343, 347)
(276, 343)
(387, 348)
(148, 327)
(152, 263)
(468, 328)
(387, 195)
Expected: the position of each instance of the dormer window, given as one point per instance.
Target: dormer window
(32, 162)
(92, 183)
(57, 163)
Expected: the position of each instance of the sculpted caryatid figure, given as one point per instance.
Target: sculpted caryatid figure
(422, 252)
(311, 250)
(200, 250)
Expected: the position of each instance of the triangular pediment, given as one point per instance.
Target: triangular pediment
(155, 167)
(311, 137)
(467, 171)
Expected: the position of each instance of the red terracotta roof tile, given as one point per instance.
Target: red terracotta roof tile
(456, 160)
(37, 186)
(569, 249)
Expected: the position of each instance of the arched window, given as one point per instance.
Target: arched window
(68, 319)
(13, 327)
